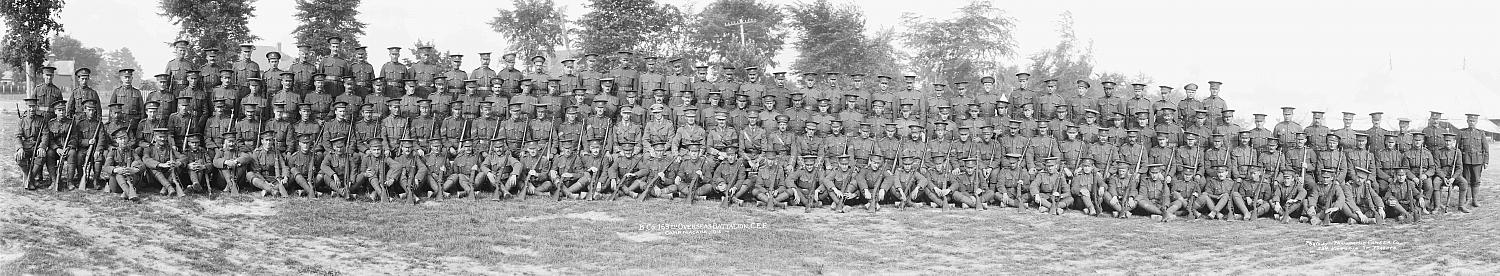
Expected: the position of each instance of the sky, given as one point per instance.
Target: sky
(1316, 54)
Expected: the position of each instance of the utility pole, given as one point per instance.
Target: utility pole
(744, 45)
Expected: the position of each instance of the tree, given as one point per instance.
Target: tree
(216, 24)
(29, 23)
(615, 25)
(67, 48)
(321, 19)
(535, 27)
(831, 38)
(716, 33)
(114, 61)
(961, 48)
(1066, 61)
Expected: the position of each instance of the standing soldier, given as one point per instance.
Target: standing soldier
(162, 95)
(1316, 131)
(211, 64)
(82, 93)
(334, 63)
(394, 69)
(1346, 134)
(320, 99)
(246, 67)
(1475, 144)
(179, 65)
(1450, 174)
(1377, 129)
(360, 68)
(1436, 126)
(1138, 103)
(1286, 131)
(1189, 102)
(1260, 134)
(1225, 122)
(1214, 104)
(456, 75)
(425, 68)
(127, 95)
(273, 73)
(484, 74)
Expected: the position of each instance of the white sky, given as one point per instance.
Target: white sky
(1314, 51)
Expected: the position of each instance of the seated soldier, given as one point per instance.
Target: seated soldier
(1048, 187)
(1253, 194)
(1290, 196)
(1186, 194)
(1152, 195)
(1218, 192)
(1117, 187)
(122, 162)
(1085, 179)
(466, 171)
(1402, 196)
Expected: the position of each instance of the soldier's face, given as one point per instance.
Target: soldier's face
(1472, 121)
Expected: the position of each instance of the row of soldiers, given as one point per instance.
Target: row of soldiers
(823, 141)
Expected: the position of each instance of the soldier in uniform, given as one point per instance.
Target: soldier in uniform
(336, 166)
(1449, 174)
(82, 93)
(122, 163)
(1475, 144)
(246, 67)
(394, 69)
(179, 65)
(127, 95)
(273, 73)
(1436, 126)
(1290, 196)
(211, 64)
(163, 95)
(1317, 131)
(1286, 130)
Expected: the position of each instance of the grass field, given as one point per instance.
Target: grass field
(94, 233)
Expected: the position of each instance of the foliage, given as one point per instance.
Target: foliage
(962, 48)
(629, 25)
(215, 24)
(831, 38)
(713, 35)
(113, 61)
(29, 23)
(67, 48)
(1067, 61)
(535, 27)
(321, 19)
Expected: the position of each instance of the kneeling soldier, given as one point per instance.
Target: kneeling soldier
(123, 164)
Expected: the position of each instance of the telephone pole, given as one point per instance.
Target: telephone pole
(744, 45)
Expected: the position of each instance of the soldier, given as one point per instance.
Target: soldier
(359, 68)
(185, 122)
(246, 67)
(1422, 164)
(1048, 187)
(1187, 194)
(1254, 194)
(1329, 156)
(1436, 126)
(163, 95)
(302, 166)
(404, 170)
(1287, 130)
(91, 137)
(1475, 144)
(82, 92)
(1244, 157)
(1218, 192)
(334, 166)
(484, 74)
(1290, 197)
(372, 168)
(126, 94)
(1377, 129)
(1317, 131)
(211, 64)
(511, 77)
(267, 169)
(1346, 134)
(1259, 134)
(320, 99)
(434, 170)
(394, 69)
(1189, 102)
(273, 73)
(1085, 180)
(179, 65)
(426, 67)
(304, 67)
(122, 162)
(57, 147)
(1449, 173)
(624, 169)
(1402, 196)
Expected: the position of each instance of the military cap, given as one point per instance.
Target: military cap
(1012, 155)
(1471, 115)
(1138, 85)
(1329, 170)
(987, 79)
(1190, 87)
(126, 71)
(1403, 120)
(1107, 83)
(1050, 158)
(1317, 113)
(1023, 74)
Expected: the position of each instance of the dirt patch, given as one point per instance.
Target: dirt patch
(250, 208)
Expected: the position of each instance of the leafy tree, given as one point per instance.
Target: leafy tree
(535, 27)
(831, 38)
(29, 23)
(1067, 61)
(321, 19)
(615, 25)
(962, 48)
(215, 24)
(67, 48)
(114, 61)
(441, 59)
(715, 33)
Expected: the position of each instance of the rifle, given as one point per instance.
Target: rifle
(89, 156)
(63, 159)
